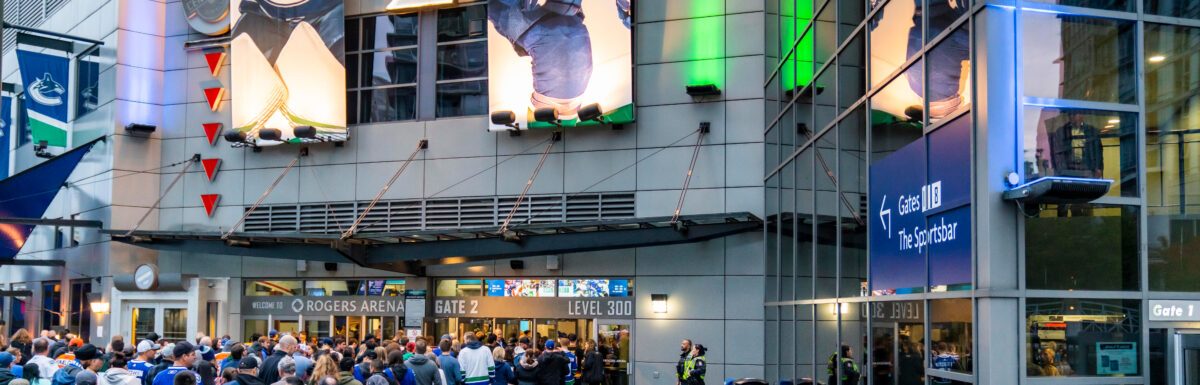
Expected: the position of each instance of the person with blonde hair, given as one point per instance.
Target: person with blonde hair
(21, 339)
(503, 374)
(324, 367)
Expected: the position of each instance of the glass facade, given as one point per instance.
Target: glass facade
(1091, 89)
(388, 58)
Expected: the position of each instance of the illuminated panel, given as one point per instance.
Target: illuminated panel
(396, 5)
(593, 65)
(285, 71)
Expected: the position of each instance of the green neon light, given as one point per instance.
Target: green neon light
(706, 48)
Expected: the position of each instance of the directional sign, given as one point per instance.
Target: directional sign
(921, 214)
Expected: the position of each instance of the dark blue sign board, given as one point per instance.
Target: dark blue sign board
(920, 213)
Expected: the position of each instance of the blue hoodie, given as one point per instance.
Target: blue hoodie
(504, 374)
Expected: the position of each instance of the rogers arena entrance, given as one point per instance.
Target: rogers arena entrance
(324, 308)
(600, 310)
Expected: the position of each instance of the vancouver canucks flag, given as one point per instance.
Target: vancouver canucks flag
(46, 99)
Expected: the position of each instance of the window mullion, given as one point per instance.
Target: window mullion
(427, 66)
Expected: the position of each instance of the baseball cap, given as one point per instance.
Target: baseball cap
(6, 359)
(182, 348)
(525, 340)
(370, 354)
(272, 333)
(167, 351)
(248, 363)
(153, 337)
(85, 377)
(550, 344)
(146, 346)
(87, 352)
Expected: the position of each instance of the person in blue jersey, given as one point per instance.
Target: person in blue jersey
(6, 363)
(572, 361)
(140, 365)
(185, 357)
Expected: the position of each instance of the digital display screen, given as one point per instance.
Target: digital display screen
(520, 288)
(576, 288)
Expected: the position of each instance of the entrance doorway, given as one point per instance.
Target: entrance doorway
(614, 340)
(168, 320)
(1187, 357)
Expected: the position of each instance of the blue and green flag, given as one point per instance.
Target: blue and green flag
(46, 98)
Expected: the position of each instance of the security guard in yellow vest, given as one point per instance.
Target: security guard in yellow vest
(849, 370)
(695, 368)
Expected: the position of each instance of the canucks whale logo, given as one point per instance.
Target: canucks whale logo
(46, 91)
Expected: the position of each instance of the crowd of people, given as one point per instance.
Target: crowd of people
(283, 359)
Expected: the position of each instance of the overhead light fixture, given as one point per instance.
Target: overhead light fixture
(591, 112)
(270, 134)
(396, 5)
(96, 302)
(702, 90)
(505, 118)
(839, 308)
(140, 129)
(547, 115)
(235, 136)
(1156, 59)
(1114, 121)
(658, 303)
(305, 132)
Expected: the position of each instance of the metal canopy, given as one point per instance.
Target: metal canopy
(410, 252)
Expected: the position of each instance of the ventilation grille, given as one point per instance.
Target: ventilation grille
(28, 13)
(430, 214)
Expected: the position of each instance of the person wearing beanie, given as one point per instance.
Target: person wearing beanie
(185, 356)
(88, 357)
(118, 372)
(19, 381)
(476, 360)
(6, 362)
(86, 377)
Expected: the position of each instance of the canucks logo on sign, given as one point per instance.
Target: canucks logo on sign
(46, 91)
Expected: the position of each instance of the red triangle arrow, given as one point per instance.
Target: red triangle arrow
(211, 130)
(210, 167)
(214, 96)
(210, 202)
(215, 60)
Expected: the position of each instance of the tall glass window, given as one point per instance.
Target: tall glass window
(1172, 156)
(382, 68)
(1082, 247)
(51, 305)
(895, 37)
(1083, 337)
(87, 87)
(1084, 144)
(462, 61)
(1078, 57)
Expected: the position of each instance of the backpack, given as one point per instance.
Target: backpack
(65, 375)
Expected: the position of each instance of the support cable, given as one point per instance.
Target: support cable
(516, 206)
(423, 144)
(178, 175)
(687, 179)
(464, 180)
(261, 198)
(610, 176)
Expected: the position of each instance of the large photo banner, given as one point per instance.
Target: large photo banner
(288, 70)
(46, 78)
(561, 54)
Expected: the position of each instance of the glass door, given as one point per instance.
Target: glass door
(166, 319)
(614, 339)
(1187, 358)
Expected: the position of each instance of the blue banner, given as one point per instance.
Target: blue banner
(495, 288)
(28, 194)
(46, 79)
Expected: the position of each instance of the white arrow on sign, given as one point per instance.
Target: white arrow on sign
(887, 223)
